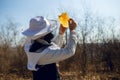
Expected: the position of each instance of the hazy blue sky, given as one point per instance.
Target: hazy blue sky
(22, 10)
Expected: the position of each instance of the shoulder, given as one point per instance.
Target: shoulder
(54, 46)
(51, 48)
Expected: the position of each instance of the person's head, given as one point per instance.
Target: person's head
(40, 27)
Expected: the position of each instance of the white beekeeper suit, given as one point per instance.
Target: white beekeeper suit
(40, 26)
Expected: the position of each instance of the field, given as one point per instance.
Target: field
(14, 67)
(67, 76)
(97, 57)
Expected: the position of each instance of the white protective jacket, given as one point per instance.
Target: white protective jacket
(53, 53)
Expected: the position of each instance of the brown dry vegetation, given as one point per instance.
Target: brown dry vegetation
(13, 65)
(96, 59)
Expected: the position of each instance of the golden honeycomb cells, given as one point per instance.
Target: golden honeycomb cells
(63, 19)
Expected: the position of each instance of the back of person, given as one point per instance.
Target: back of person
(44, 71)
(44, 54)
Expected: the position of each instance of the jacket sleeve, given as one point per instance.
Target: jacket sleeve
(53, 54)
(58, 40)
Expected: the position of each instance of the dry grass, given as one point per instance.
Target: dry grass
(68, 76)
(12, 77)
(13, 67)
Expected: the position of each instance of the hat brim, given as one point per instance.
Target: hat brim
(43, 32)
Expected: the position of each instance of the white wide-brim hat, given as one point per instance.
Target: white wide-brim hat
(40, 26)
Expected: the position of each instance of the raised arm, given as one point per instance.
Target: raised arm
(56, 54)
(59, 39)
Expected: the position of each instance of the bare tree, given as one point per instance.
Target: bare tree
(85, 29)
(9, 35)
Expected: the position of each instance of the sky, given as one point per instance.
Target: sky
(22, 11)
